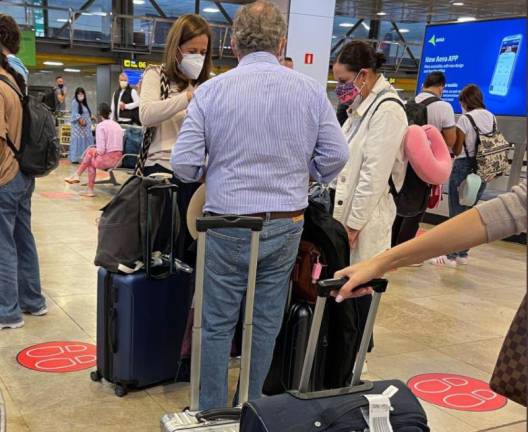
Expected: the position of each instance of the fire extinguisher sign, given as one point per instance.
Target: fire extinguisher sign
(308, 58)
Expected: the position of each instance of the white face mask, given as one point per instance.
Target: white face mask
(123, 84)
(80, 97)
(191, 65)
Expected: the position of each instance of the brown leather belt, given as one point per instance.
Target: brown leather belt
(270, 215)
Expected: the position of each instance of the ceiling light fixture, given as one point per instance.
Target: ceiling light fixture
(346, 25)
(62, 20)
(404, 30)
(381, 13)
(53, 63)
(367, 28)
(211, 10)
(458, 4)
(466, 19)
(71, 70)
(138, 2)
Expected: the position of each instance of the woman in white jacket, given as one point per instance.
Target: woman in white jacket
(374, 130)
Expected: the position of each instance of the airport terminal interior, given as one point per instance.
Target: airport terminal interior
(439, 329)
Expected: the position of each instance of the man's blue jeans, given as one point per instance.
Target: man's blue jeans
(226, 270)
(20, 288)
(462, 167)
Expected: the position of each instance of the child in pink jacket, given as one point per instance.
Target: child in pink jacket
(106, 154)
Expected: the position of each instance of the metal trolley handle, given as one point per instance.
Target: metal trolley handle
(203, 224)
(324, 288)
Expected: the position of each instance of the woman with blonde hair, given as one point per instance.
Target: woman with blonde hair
(166, 91)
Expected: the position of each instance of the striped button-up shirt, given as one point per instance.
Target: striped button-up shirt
(257, 133)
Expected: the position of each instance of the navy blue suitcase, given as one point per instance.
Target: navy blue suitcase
(140, 324)
(140, 327)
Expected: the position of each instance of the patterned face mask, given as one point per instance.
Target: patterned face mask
(347, 92)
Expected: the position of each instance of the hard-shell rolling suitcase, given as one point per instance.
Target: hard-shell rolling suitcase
(141, 319)
(221, 420)
(338, 410)
(290, 350)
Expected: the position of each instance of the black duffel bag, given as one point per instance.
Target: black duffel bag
(287, 413)
(123, 224)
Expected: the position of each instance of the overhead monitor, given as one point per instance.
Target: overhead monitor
(134, 75)
(490, 54)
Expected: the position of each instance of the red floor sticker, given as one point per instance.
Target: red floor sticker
(456, 392)
(58, 357)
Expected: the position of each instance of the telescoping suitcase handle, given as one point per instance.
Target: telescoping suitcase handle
(324, 288)
(173, 189)
(211, 222)
(203, 224)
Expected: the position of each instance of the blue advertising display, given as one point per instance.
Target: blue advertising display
(490, 54)
(134, 76)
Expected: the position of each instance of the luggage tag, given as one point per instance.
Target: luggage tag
(378, 414)
(316, 271)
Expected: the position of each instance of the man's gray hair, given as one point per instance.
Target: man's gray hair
(258, 27)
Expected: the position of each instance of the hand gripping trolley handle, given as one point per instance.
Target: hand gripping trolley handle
(324, 288)
(224, 420)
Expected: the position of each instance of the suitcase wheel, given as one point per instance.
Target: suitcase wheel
(120, 391)
(96, 376)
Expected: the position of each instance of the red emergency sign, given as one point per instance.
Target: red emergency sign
(308, 58)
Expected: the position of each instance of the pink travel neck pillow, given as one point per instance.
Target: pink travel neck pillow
(427, 152)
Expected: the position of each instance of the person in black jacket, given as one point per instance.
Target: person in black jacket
(125, 103)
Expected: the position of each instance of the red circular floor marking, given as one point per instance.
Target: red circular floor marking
(456, 392)
(58, 357)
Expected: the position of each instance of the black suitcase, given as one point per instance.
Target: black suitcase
(290, 350)
(336, 410)
(141, 320)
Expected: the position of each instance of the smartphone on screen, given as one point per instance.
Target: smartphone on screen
(505, 66)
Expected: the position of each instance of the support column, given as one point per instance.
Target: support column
(310, 28)
(106, 82)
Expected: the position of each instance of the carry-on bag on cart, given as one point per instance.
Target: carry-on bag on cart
(221, 420)
(375, 406)
(141, 316)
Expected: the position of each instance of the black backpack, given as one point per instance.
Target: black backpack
(39, 152)
(413, 197)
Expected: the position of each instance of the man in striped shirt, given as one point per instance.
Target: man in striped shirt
(264, 130)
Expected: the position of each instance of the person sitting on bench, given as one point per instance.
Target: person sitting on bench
(106, 154)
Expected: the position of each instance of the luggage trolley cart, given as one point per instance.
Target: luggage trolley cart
(218, 420)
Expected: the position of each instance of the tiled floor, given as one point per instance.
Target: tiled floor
(431, 320)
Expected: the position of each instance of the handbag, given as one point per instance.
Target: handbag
(511, 371)
(123, 224)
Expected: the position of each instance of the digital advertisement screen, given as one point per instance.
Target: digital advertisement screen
(133, 76)
(490, 54)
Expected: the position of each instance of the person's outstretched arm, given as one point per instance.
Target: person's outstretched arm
(503, 216)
